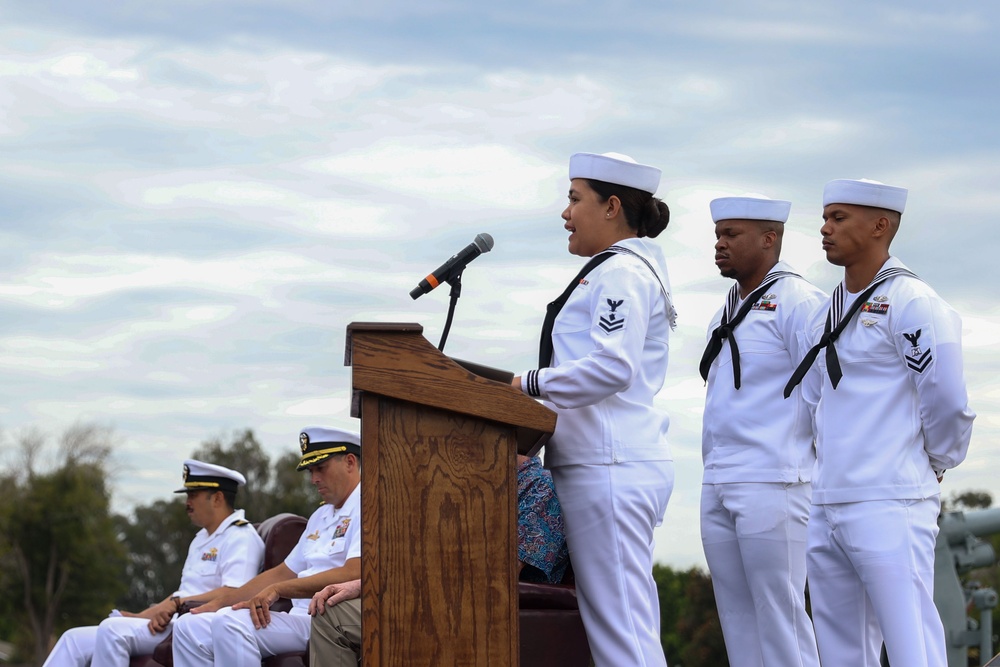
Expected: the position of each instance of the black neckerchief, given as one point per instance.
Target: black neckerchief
(552, 310)
(725, 329)
(831, 333)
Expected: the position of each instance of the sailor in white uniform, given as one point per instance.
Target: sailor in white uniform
(603, 358)
(328, 552)
(225, 554)
(757, 448)
(886, 381)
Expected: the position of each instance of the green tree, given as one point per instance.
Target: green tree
(9, 610)
(157, 539)
(292, 490)
(690, 630)
(964, 501)
(59, 538)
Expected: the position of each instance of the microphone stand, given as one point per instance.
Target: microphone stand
(456, 291)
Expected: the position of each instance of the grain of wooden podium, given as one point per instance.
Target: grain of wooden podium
(438, 502)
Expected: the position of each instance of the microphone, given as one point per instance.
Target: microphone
(454, 266)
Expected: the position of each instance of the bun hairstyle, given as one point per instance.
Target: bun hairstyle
(646, 214)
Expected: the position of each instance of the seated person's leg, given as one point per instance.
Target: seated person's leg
(335, 639)
(74, 648)
(192, 644)
(121, 637)
(237, 643)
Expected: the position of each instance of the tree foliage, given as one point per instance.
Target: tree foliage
(967, 500)
(62, 561)
(690, 630)
(157, 538)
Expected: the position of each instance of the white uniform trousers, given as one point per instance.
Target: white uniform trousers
(609, 513)
(754, 535)
(75, 648)
(228, 638)
(871, 579)
(111, 644)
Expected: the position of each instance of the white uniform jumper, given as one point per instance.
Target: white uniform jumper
(758, 454)
(898, 417)
(331, 538)
(609, 457)
(231, 556)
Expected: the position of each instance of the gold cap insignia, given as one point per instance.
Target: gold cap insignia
(187, 471)
(303, 442)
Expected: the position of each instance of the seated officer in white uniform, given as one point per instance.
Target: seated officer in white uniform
(757, 448)
(329, 551)
(224, 555)
(885, 379)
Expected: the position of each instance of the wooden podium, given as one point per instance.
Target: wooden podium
(438, 501)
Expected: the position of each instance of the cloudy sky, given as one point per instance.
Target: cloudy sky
(197, 198)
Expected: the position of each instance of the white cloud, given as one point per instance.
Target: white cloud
(452, 172)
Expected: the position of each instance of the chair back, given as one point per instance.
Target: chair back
(280, 533)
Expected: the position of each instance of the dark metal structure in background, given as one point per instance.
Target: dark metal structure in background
(959, 549)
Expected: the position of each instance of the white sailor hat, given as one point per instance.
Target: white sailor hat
(865, 193)
(201, 476)
(750, 207)
(319, 443)
(614, 168)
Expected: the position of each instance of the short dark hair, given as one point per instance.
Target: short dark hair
(779, 231)
(644, 213)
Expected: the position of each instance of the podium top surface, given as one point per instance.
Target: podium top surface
(401, 327)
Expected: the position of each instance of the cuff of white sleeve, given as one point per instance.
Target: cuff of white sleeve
(529, 383)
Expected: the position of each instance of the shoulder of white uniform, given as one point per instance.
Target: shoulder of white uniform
(801, 286)
(906, 287)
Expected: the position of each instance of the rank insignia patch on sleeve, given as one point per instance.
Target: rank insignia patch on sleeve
(613, 315)
(917, 359)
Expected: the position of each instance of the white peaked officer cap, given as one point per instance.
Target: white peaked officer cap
(865, 193)
(201, 476)
(614, 168)
(318, 443)
(750, 207)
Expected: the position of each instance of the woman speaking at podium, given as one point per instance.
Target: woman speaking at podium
(602, 359)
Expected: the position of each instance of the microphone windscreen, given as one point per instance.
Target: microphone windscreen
(484, 242)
